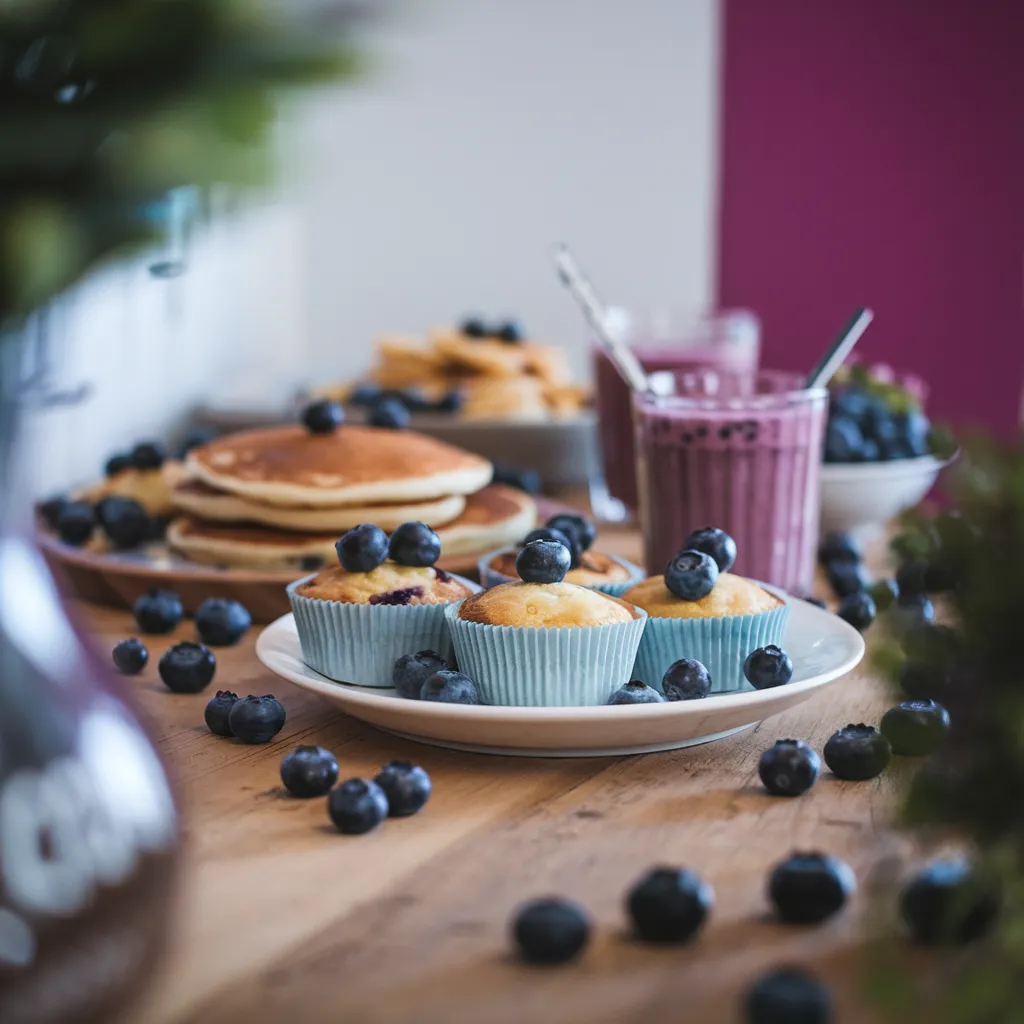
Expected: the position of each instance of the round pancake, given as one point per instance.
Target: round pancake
(250, 547)
(204, 502)
(496, 516)
(353, 466)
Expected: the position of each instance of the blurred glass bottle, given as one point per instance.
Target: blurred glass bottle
(88, 827)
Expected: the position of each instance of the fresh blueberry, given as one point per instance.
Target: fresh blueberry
(197, 437)
(669, 905)
(50, 510)
(218, 712)
(158, 611)
(130, 657)
(870, 451)
(117, 464)
(411, 671)
(858, 610)
(691, 575)
(363, 548)
(407, 787)
(915, 728)
(357, 806)
(474, 327)
(885, 593)
(389, 413)
(788, 995)
(714, 542)
(450, 687)
(846, 578)
(877, 423)
(948, 904)
(309, 771)
(852, 402)
(450, 402)
(568, 541)
(767, 667)
(124, 521)
(222, 622)
(527, 480)
(912, 611)
(913, 427)
(789, 768)
(686, 679)
(808, 888)
(543, 561)
(933, 643)
(912, 577)
(364, 395)
(75, 523)
(843, 440)
(415, 544)
(636, 691)
(509, 332)
(148, 455)
(924, 680)
(576, 526)
(323, 417)
(187, 667)
(550, 931)
(838, 547)
(257, 719)
(857, 752)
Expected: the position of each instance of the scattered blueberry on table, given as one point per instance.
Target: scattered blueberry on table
(257, 719)
(912, 577)
(788, 995)
(948, 903)
(550, 931)
(924, 680)
(768, 667)
(885, 593)
(411, 671)
(636, 691)
(323, 417)
(158, 611)
(450, 687)
(669, 905)
(362, 548)
(222, 622)
(390, 413)
(75, 523)
(218, 712)
(915, 728)
(309, 771)
(714, 542)
(357, 806)
(789, 768)
(846, 578)
(808, 888)
(543, 561)
(859, 610)
(415, 544)
(838, 546)
(686, 679)
(130, 656)
(857, 752)
(691, 575)
(407, 787)
(912, 610)
(187, 667)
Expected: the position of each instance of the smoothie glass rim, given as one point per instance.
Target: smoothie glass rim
(792, 393)
(682, 328)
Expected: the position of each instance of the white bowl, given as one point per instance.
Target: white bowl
(857, 496)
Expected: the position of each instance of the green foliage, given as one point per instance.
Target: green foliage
(105, 105)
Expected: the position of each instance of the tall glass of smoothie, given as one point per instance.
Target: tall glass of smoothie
(727, 342)
(746, 459)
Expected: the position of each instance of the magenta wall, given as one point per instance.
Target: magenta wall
(873, 153)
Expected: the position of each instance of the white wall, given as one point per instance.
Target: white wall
(488, 130)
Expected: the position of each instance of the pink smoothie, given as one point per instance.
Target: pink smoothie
(748, 464)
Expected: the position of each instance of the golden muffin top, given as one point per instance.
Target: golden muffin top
(544, 605)
(388, 584)
(731, 595)
(594, 568)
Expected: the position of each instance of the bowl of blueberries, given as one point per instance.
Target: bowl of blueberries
(882, 453)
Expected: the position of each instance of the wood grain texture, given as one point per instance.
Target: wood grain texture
(280, 918)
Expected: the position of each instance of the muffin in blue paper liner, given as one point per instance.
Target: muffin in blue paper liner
(718, 630)
(353, 626)
(500, 567)
(545, 645)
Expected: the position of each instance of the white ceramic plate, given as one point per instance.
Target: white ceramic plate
(823, 648)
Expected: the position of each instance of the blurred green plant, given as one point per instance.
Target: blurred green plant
(105, 105)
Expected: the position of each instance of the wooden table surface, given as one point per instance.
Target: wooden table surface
(280, 918)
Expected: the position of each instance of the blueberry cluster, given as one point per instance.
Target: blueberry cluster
(508, 331)
(686, 679)
(357, 806)
(366, 546)
(393, 407)
(693, 572)
(426, 676)
(250, 719)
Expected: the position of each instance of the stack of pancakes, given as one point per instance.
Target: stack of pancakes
(281, 497)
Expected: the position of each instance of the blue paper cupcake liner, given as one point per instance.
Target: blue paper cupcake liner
(489, 578)
(526, 666)
(720, 645)
(360, 643)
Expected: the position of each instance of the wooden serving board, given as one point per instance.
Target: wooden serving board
(116, 580)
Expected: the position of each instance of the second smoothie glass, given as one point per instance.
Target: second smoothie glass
(744, 459)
